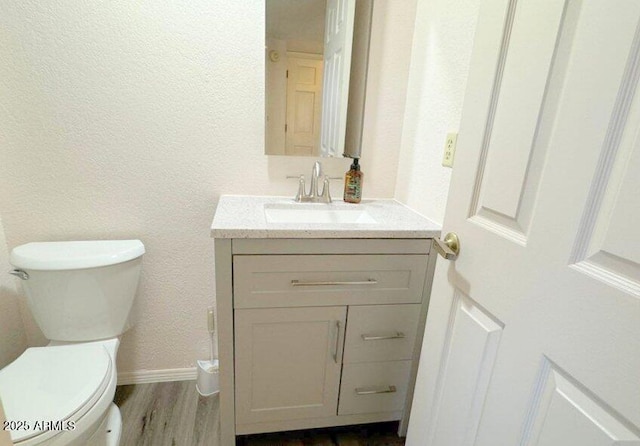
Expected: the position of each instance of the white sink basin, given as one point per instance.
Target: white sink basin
(316, 213)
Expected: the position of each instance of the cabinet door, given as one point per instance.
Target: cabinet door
(288, 363)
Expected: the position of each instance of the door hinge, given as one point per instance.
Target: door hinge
(287, 74)
(285, 128)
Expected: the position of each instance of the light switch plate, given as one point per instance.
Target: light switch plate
(449, 149)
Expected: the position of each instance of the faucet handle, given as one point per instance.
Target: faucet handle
(326, 192)
(301, 189)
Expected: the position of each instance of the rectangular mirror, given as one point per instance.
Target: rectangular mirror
(315, 76)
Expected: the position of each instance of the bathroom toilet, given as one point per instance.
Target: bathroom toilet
(80, 294)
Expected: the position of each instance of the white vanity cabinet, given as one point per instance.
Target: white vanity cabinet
(318, 332)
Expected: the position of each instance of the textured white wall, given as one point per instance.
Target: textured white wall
(128, 119)
(442, 46)
(13, 339)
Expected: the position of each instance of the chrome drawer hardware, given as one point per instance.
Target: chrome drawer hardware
(19, 273)
(398, 335)
(334, 283)
(337, 346)
(375, 390)
(449, 248)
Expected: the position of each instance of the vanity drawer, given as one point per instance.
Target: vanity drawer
(373, 387)
(381, 332)
(316, 280)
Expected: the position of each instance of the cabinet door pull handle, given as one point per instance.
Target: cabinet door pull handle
(334, 283)
(397, 335)
(337, 344)
(375, 390)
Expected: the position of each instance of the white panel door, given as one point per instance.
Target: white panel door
(338, 36)
(533, 333)
(304, 104)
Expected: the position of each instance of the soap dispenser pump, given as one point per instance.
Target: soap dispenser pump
(353, 183)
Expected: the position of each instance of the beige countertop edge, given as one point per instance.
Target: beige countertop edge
(323, 233)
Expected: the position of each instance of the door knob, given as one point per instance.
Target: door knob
(449, 248)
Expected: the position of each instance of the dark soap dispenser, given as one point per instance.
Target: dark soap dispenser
(353, 183)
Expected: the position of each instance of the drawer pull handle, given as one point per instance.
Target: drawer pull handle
(375, 390)
(330, 283)
(398, 335)
(337, 344)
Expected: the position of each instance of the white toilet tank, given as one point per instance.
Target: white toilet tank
(80, 291)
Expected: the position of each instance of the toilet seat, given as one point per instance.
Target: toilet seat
(55, 383)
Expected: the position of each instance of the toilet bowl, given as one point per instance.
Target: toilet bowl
(62, 394)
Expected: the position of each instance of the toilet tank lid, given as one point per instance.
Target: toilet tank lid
(75, 255)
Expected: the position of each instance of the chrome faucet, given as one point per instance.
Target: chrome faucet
(314, 196)
(315, 175)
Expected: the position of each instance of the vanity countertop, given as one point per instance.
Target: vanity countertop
(272, 217)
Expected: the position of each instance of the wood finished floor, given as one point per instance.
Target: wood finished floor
(173, 414)
(167, 414)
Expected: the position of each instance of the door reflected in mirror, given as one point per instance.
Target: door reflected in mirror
(315, 76)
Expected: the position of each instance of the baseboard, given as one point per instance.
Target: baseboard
(156, 376)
